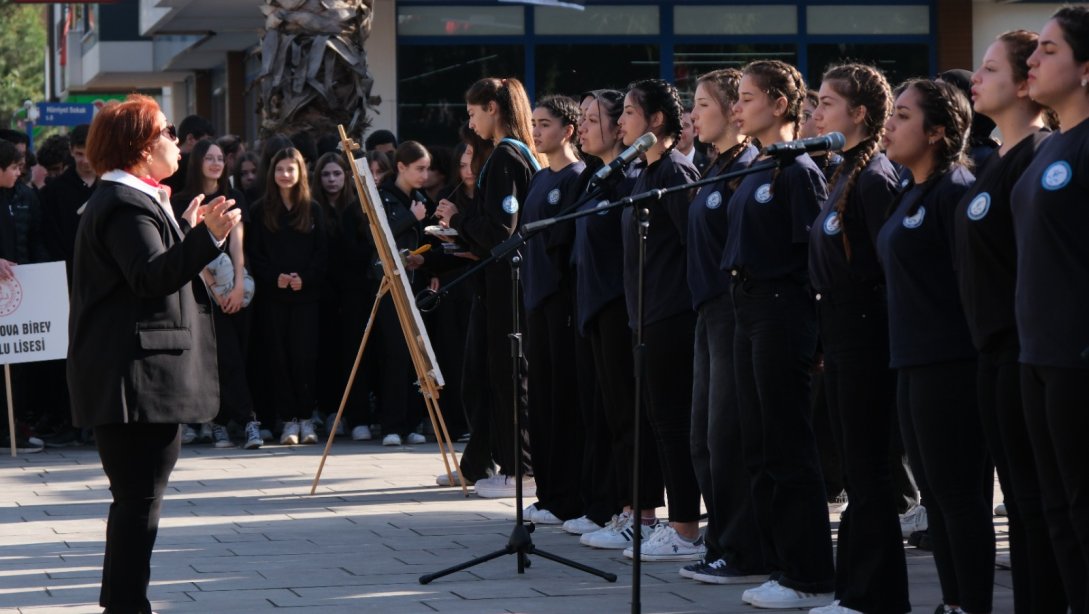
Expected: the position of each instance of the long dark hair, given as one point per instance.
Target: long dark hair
(865, 86)
(659, 96)
(1020, 44)
(194, 172)
(722, 85)
(300, 217)
(943, 105)
(336, 205)
(515, 115)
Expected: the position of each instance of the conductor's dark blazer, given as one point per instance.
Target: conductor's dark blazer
(141, 341)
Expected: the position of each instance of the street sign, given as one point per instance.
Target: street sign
(64, 113)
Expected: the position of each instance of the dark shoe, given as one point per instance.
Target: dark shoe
(921, 540)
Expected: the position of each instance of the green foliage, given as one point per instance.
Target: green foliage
(22, 57)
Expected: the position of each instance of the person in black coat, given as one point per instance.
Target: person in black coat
(141, 355)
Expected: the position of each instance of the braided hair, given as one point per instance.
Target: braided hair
(865, 86)
(659, 96)
(515, 114)
(943, 105)
(780, 80)
(566, 110)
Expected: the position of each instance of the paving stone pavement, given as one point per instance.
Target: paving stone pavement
(240, 533)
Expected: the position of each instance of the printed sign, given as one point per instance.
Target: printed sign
(34, 314)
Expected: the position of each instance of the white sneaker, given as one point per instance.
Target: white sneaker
(665, 544)
(290, 435)
(415, 439)
(834, 608)
(188, 434)
(616, 535)
(1000, 509)
(545, 517)
(780, 597)
(205, 435)
(393, 439)
(501, 486)
(529, 511)
(253, 435)
(580, 526)
(913, 520)
(220, 436)
(361, 433)
(751, 593)
(307, 434)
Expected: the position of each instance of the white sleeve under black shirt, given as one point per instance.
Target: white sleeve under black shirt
(1051, 227)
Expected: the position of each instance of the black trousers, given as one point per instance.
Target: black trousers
(1037, 583)
(137, 459)
(447, 328)
(232, 348)
(497, 330)
(939, 420)
(355, 307)
(860, 389)
(1056, 400)
(731, 531)
(331, 373)
(553, 405)
(774, 344)
(394, 374)
(611, 340)
(291, 335)
(668, 378)
(597, 476)
(476, 395)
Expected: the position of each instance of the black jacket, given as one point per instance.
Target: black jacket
(21, 239)
(141, 342)
(61, 200)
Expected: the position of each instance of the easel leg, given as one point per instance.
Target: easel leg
(11, 408)
(446, 445)
(382, 289)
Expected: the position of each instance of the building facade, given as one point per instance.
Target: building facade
(197, 56)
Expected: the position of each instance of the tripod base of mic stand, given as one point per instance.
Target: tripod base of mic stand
(521, 545)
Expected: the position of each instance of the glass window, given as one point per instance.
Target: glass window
(854, 19)
(573, 69)
(597, 20)
(898, 61)
(691, 61)
(431, 82)
(460, 20)
(736, 19)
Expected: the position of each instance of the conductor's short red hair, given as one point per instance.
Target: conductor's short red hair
(121, 133)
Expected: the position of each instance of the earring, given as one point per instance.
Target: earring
(1084, 82)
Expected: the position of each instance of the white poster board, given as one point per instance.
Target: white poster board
(34, 314)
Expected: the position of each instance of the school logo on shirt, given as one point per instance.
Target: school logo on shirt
(1057, 176)
(714, 201)
(763, 193)
(554, 196)
(916, 220)
(601, 204)
(904, 182)
(832, 224)
(510, 205)
(978, 208)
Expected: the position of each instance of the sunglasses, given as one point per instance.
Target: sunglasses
(170, 131)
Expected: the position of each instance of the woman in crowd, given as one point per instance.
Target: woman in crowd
(860, 389)
(733, 549)
(550, 332)
(246, 173)
(381, 165)
(288, 249)
(141, 358)
(668, 325)
(406, 205)
(1052, 292)
(766, 254)
(333, 191)
(986, 270)
(499, 112)
(930, 345)
(232, 289)
(603, 318)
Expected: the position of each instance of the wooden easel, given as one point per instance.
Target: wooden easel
(395, 283)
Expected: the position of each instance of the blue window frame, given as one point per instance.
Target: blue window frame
(672, 48)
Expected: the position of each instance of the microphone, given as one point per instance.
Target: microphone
(825, 142)
(641, 145)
